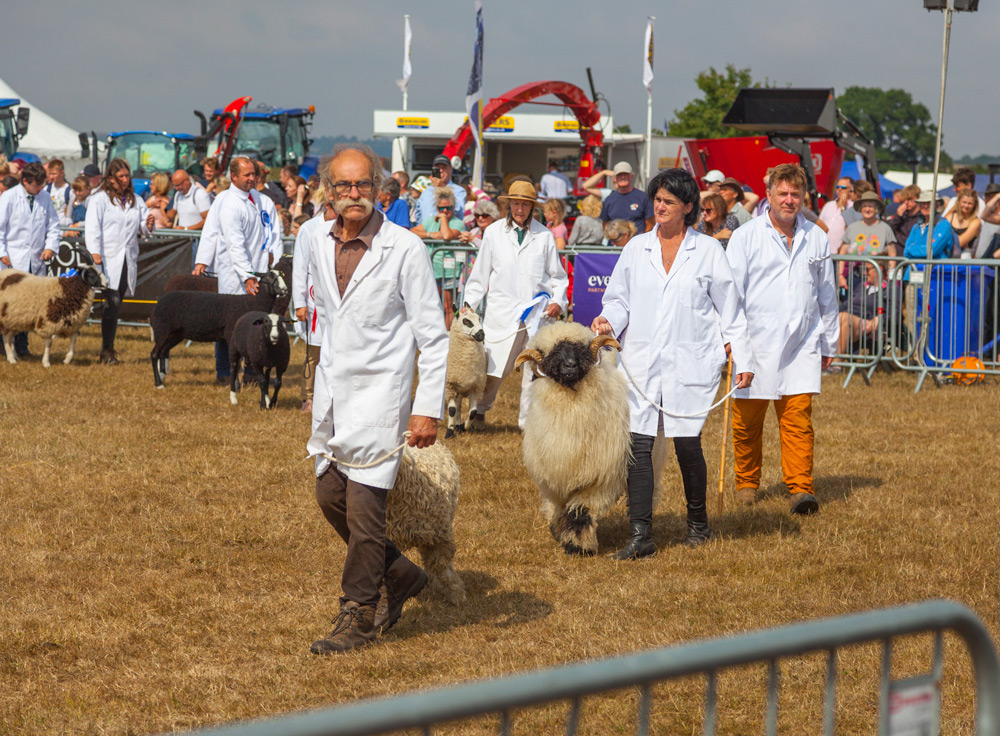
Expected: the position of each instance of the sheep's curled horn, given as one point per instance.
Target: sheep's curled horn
(536, 357)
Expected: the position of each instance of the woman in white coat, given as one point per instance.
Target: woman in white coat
(115, 219)
(673, 303)
(518, 264)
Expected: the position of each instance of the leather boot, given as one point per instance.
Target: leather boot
(640, 542)
(699, 532)
(403, 580)
(353, 628)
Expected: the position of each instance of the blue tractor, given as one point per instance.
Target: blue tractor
(150, 152)
(13, 127)
(275, 135)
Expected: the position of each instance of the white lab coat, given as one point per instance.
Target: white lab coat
(512, 274)
(676, 326)
(241, 233)
(303, 291)
(390, 309)
(27, 231)
(113, 233)
(208, 242)
(790, 300)
(271, 245)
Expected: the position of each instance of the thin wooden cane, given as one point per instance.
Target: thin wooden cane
(725, 432)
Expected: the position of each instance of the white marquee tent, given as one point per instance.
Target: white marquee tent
(47, 137)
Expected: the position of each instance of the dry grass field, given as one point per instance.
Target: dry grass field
(165, 566)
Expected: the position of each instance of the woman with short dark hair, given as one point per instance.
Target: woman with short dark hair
(673, 296)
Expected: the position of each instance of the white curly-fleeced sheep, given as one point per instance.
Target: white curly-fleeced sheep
(576, 443)
(46, 305)
(420, 512)
(466, 370)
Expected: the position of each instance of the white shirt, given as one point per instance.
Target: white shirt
(790, 298)
(208, 243)
(554, 185)
(371, 335)
(271, 244)
(676, 327)
(240, 237)
(62, 200)
(191, 207)
(513, 275)
(26, 231)
(303, 291)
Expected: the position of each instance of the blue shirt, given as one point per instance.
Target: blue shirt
(427, 204)
(398, 213)
(916, 243)
(634, 206)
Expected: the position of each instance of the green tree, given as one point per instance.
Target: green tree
(901, 129)
(702, 118)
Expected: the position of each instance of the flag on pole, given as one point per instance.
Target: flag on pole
(407, 70)
(474, 97)
(647, 61)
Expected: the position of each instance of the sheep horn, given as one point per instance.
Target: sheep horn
(534, 356)
(602, 341)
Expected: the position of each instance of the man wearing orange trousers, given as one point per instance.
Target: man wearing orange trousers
(783, 271)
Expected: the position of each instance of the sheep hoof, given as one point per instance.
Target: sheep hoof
(232, 398)
(46, 364)
(572, 549)
(459, 428)
(449, 433)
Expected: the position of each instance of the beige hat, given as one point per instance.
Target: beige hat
(622, 167)
(926, 196)
(873, 198)
(521, 190)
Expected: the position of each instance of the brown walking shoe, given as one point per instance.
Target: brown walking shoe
(803, 503)
(403, 580)
(746, 496)
(354, 627)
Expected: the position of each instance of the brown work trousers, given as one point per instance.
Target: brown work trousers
(309, 371)
(357, 513)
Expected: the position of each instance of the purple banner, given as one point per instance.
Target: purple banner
(591, 272)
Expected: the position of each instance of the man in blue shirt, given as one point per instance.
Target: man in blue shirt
(395, 209)
(627, 202)
(440, 177)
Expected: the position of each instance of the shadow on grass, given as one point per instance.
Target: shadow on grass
(670, 530)
(484, 603)
(828, 488)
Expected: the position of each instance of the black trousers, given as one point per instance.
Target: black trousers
(112, 306)
(694, 475)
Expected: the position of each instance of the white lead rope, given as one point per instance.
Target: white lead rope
(522, 328)
(372, 464)
(642, 393)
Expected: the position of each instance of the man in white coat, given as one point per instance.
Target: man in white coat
(29, 230)
(784, 274)
(308, 323)
(518, 264)
(238, 245)
(375, 292)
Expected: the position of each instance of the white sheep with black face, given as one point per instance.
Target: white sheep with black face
(576, 444)
(466, 370)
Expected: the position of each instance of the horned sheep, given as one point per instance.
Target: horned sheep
(577, 443)
(260, 340)
(466, 370)
(47, 305)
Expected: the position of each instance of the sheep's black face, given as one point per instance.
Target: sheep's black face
(567, 363)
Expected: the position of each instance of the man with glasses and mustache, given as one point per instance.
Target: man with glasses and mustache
(376, 296)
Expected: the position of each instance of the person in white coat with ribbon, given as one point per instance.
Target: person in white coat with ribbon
(673, 303)
(29, 230)
(376, 294)
(786, 279)
(115, 220)
(308, 323)
(518, 266)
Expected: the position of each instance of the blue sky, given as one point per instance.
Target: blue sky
(120, 64)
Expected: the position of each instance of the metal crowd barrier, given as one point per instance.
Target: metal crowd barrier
(912, 702)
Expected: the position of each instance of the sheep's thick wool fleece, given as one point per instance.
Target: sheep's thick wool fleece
(576, 440)
(47, 305)
(466, 365)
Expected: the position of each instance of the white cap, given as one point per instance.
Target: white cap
(622, 167)
(714, 177)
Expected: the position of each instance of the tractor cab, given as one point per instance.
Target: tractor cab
(275, 135)
(12, 127)
(149, 152)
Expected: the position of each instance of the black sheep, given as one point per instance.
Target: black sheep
(206, 317)
(260, 340)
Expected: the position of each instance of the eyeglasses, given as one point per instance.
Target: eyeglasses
(481, 214)
(445, 209)
(344, 188)
(707, 209)
(841, 186)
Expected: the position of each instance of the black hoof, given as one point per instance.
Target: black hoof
(449, 433)
(572, 549)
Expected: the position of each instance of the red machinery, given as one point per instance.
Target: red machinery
(226, 126)
(571, 96)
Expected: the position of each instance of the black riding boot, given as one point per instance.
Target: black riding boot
(640, 542)
(694, 475)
